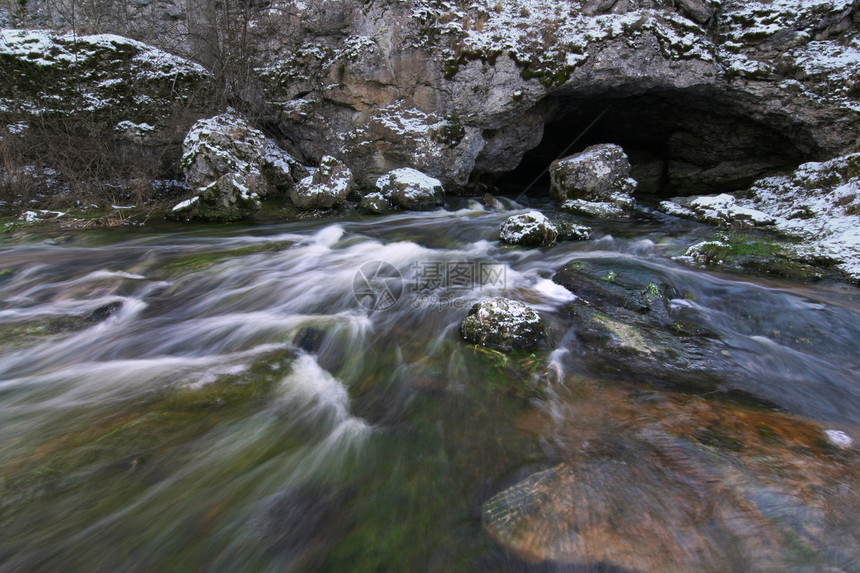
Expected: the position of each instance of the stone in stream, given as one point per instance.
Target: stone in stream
(570, 231)
(410, 189)
(104, 312)
(502, 324)
(601, 174)
(532, 229)
(326, 188)
(374, 203)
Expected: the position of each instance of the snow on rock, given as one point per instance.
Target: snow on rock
(600, 174)
(723, 210)
(326, 188)
(233, 197)
(375, 203)
(839, 438)
(819, 202)
(410, 189)
(601, 209)
(570, 231)
(66, 74)
(227, 143)
(529, 229)
(502, 324)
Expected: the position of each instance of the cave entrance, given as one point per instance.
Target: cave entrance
(679, 143)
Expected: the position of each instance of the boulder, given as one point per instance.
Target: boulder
(374, 203)
(600, 173)
(531, 229)
(412, 190)
(326, 188)
(700, 11)
(570, 231)
(233, 197)
(227, 143)
(502, 324)
(723, 210)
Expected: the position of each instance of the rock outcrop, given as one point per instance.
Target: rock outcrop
(819, 202)
(704, 96)
(502, 324)
(691, 88)
(126, 85)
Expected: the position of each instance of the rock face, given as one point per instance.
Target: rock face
(412, 190)
(326, 188)
(704, 96)
(502, 324)
(601, 173)
(459, 92)
(531, 229)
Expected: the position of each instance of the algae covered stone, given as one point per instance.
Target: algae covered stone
(502, 324)
(532, 229)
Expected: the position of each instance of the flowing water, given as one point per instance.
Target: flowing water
(243, 398)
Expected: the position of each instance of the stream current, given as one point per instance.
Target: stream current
(298, 397)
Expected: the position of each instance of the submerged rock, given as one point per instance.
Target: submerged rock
(532, 229)
(326, 188)
(502, 324)
(412, 190)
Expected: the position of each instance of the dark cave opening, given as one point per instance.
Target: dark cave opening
(679, 143)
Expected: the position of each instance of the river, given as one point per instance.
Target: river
(234, 398)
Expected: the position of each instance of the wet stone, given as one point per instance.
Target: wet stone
(502, 324)
(532, 229)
